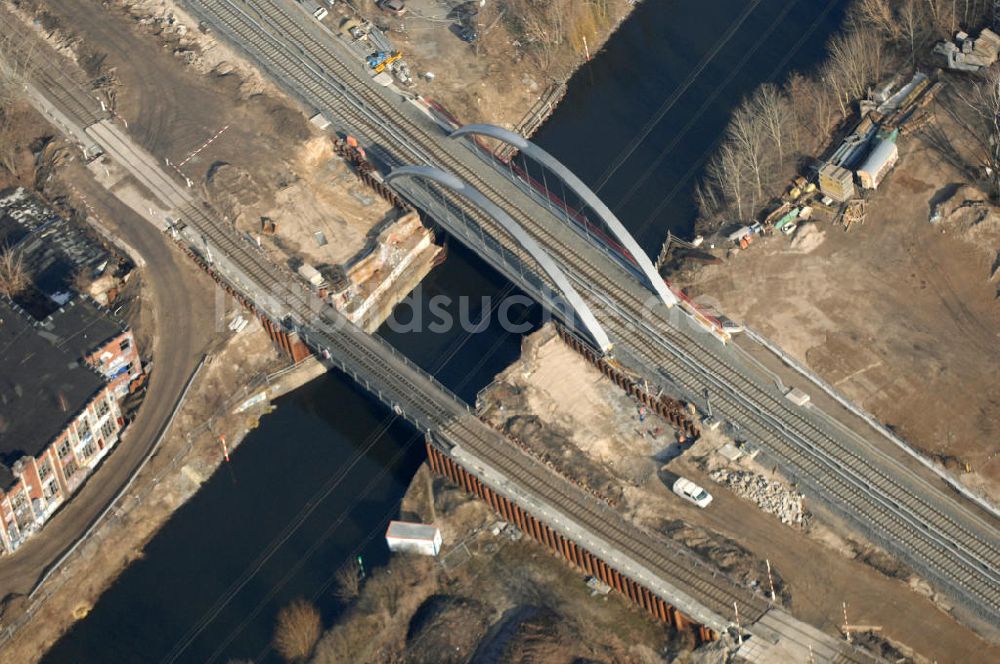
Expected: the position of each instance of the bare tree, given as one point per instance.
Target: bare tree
(814, 111)
(911, 25)
(547, 28)
(386, 590)
(876, 14)
(12, 78)
(855, 61)
(13, 272)
(297, 631)
(976, 111)
(773, 111)
(747, 135)
(348, 581)
(726, 176)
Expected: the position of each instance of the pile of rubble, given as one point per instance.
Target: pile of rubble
(771, 496)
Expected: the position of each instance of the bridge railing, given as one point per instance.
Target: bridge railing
(574, 218)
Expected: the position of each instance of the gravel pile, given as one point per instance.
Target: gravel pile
(772, 497)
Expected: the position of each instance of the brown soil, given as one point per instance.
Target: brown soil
(494, 81)
(899, 314)
(267, 161)
(486, 596)
(446, 629)
(816, 567)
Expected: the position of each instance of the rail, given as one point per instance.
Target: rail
(870, 419)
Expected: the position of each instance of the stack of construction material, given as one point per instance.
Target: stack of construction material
(967, 54)
(836, 182)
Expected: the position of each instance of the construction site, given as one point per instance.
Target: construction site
(759, 530)
(708, 509)
(886, 281)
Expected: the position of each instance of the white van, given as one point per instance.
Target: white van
(688, 490)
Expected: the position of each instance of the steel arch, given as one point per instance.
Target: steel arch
(577, 186)
(554, 272)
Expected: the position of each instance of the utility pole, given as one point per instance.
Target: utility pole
(770, 580)
(847, 625)
(739, 631)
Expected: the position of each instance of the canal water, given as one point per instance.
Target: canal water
(316, 482)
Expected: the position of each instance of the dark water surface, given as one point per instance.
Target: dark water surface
(639, 120)
(316, 482)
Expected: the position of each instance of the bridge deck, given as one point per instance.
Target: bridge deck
(927, 528)
(697, 589)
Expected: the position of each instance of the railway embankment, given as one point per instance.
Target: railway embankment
(590, 431)
(209, 427)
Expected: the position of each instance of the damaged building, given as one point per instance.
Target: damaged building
(62, 380)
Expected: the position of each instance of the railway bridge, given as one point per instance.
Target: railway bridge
(655, 573)
(673, 350)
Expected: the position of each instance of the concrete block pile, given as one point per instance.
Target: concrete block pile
(771, 496)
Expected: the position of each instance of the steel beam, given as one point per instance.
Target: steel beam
(585, 193)
(580, 307)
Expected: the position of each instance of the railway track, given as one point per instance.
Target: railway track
(897, 512)
(411, 386)
(16, 43)
(453, 423)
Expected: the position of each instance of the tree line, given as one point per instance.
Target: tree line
(774, 129)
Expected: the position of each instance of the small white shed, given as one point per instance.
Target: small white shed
(797, 396)
(310, 274)
(413, 538)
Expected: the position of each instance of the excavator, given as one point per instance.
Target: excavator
(379, 60)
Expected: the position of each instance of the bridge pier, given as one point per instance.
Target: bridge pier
(659, 609)
(672, 410)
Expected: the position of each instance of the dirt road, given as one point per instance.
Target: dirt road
(179, 297)
(605, 445)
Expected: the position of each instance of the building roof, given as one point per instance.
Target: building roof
(42, 386)
(80, 327)
(884, 152)
(53, 248)
(410, 531)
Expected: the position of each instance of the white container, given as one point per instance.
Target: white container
(417, 538)
(310, 274)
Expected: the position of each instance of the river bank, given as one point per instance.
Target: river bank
(490, 594)
(893, 299)
(603, 443)
(192, 450)
(898, 314)
(156, 617)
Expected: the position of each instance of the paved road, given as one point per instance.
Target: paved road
(175, 293)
